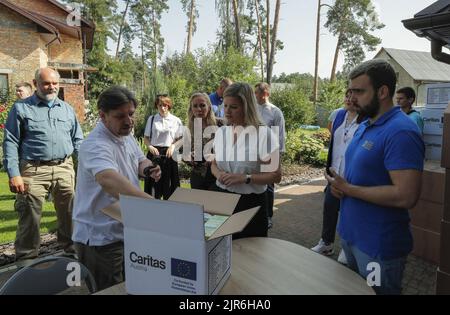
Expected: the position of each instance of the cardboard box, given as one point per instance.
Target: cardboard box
(433, 121)
(166, 250)
(427, 215)
(438, 95)
(444, 264)
(433, 147)
(433, 182)
(446, 215)
(442, 283)
(426, 244)
(446, 139)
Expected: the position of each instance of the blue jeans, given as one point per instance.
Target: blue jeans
(385, 275)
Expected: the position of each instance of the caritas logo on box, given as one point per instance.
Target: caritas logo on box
(147, 261)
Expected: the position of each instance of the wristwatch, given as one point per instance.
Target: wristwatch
(248, 178)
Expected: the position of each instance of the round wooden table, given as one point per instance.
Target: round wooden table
(267, 266)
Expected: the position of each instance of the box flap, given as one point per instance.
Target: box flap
(113, 210)
(236, 223)
(213, 202)
(176, 219)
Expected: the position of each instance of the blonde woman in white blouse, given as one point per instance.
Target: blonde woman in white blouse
(161, 133)
(246, 156)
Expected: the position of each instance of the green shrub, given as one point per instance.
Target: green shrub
(301, 147)
(184, 170)
(323, 135)
(295, 105)
(293, 145)
(322, 158)
(310, 149)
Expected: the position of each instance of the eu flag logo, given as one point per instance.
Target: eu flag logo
(183, 269)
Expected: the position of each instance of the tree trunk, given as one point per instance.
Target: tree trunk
(155, 48)
(316, 65)
(335, 60)
(227, 34)
(237, 25)
(258, 17)
(267, 35)
(124, 15)
(143, 60)
(191, 27)
(274, 41)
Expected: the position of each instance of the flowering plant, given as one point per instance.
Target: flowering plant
(5, 105)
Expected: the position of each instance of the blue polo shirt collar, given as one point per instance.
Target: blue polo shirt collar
(385, 117)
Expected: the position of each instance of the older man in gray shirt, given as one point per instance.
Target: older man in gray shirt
(41, 134)
(273, 117)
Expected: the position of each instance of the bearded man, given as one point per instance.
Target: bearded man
(384, 164)
(41, 134)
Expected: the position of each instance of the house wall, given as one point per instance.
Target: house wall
(74, 95)
(69, 51)
(23, 50)
(21, 47)
(404, 79)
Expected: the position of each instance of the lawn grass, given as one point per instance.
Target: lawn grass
(8, 217)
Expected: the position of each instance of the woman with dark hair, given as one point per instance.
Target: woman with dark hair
(201, 117)
(161, 133)
(247, 156)
(343, 127)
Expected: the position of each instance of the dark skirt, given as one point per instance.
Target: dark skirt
(258, 226)
(170, 178)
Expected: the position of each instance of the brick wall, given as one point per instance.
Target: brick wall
(22, 49)
(20, 46)
(69, 51)
(74, 95)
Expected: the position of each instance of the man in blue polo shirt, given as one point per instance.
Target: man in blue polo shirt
(216, 98)
(382, 180)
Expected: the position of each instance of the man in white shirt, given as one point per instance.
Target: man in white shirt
(273, 117)
(110, 163)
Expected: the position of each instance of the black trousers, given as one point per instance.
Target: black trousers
(331, 207)
(270, 198)
(106, 263)
(257, 227)
(170, 178)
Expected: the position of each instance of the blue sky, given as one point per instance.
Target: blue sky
(297, 31)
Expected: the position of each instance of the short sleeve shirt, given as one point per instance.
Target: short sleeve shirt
(99, 152)
(246, 156)
(165, 130)
(391, 143)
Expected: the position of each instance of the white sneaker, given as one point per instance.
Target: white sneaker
(342, 258)
(323, 248)
(269, 223)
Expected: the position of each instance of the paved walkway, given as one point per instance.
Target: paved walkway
(298, 218)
